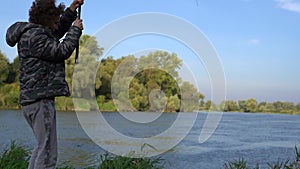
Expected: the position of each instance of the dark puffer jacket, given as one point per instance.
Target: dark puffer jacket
(42, 56)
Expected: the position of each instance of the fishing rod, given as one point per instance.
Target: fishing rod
(77, 47)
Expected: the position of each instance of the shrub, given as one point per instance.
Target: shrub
(242, 164)
(118, 162)
(14, 157)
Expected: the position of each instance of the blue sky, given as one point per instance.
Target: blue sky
(257, 40)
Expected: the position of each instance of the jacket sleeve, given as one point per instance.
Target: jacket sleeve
(65, 22)
(49, 48)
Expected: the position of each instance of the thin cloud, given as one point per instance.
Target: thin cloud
(290, 5)
(253, 42)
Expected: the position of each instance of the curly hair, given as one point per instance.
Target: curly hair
(45, 12)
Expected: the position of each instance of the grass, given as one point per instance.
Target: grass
(238, 164)
(16, 157)
(287, 164)
(109, 161)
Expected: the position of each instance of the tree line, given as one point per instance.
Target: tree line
(251, 105)
(152, 80)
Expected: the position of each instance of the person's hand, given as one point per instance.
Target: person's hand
(78, 23)
(75, 4)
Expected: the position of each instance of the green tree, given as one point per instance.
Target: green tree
(156, 72)
(229, 105)
(270, 107)
(105, 73)
(288, 107)
(210, 106)
(85, 71)
(298, 107)
(167, 62)
(202, 105)
(90, 44)
(173, 104)
(82, 79)
(189, 97)
(152, 85)
(157, 100)
(138, 96)
(4, 68)
(278, 106)
(243, 105)
(251, 105)
(9, 96)
(262, 107)
(160, 69)
(14, 71)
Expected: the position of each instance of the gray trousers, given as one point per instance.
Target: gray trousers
(41, 116)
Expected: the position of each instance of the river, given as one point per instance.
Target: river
(257, 138)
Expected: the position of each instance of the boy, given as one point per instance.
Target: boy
(42, 70)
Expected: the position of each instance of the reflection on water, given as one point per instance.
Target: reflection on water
(137, 130)
(258, 138)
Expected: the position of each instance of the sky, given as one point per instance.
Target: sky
(257, 41)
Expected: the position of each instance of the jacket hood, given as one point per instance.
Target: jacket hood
(15, 31)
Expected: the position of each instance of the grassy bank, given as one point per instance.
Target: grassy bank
(286, 164)
(67, 104)
(16, 157)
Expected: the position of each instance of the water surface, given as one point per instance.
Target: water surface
(258, 138)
